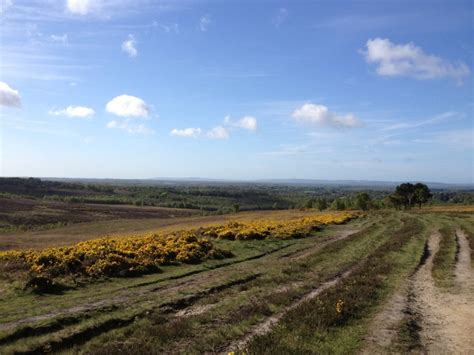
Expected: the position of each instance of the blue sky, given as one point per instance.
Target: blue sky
(370, 90)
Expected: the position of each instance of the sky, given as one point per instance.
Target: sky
(346, 90)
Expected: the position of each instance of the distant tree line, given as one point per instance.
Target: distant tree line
(230, 198)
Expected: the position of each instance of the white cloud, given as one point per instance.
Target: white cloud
(204, 22)
(218, 132)
(411, 61)
(130, 127)
(129, 46)
(61, 39)
(4, 4)
(8, 96)
(80, 7)
(74, 111)
(186, 132)
(320, 114)
(128, 106)
(280, 17)
(247, 122)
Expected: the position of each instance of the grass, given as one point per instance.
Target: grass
(235, 311)
(320, 324)
(445, 259)
(15, 303)
(226, 299)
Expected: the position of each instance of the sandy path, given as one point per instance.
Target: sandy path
(446, 318)
(464, 275)
(383, 329)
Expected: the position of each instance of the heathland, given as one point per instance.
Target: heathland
(107, 269)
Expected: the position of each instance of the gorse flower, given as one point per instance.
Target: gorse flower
(339, 306)
(135, 255)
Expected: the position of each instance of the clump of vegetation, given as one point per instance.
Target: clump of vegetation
(138, 255)
(288, 229)
(114, 257)
(408, 195)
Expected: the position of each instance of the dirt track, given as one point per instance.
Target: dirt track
(443, 319)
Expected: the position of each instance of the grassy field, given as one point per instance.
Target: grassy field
(385, 282)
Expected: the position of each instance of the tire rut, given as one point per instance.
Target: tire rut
(122, 299)
(82, 336)
(270, 322)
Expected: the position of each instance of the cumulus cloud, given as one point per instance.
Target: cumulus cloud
(4, 4)
(8, 96)
(247, 122)
(280, 17)
(204, 22)
(320, 114)
(186, 132)
(411, 61)
(80, 7)
(128, 106)
(129, 46)
(73, 111)
(218, 132)
(130, 127)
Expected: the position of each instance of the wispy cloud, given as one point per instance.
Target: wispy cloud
(73, 111)
(248, 123)
(407, 125)
(130, 127)
(59, 38)
(204, 22)
(5, 4)
(82, 7)
(129, 46)
(218, 132)
(287, 150)
(186, 132)
(280, 17)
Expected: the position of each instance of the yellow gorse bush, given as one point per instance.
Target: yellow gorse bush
(136, 255)
(449, 209)
(283, 229)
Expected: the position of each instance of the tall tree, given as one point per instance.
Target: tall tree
(407, 192)
(422, 194)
